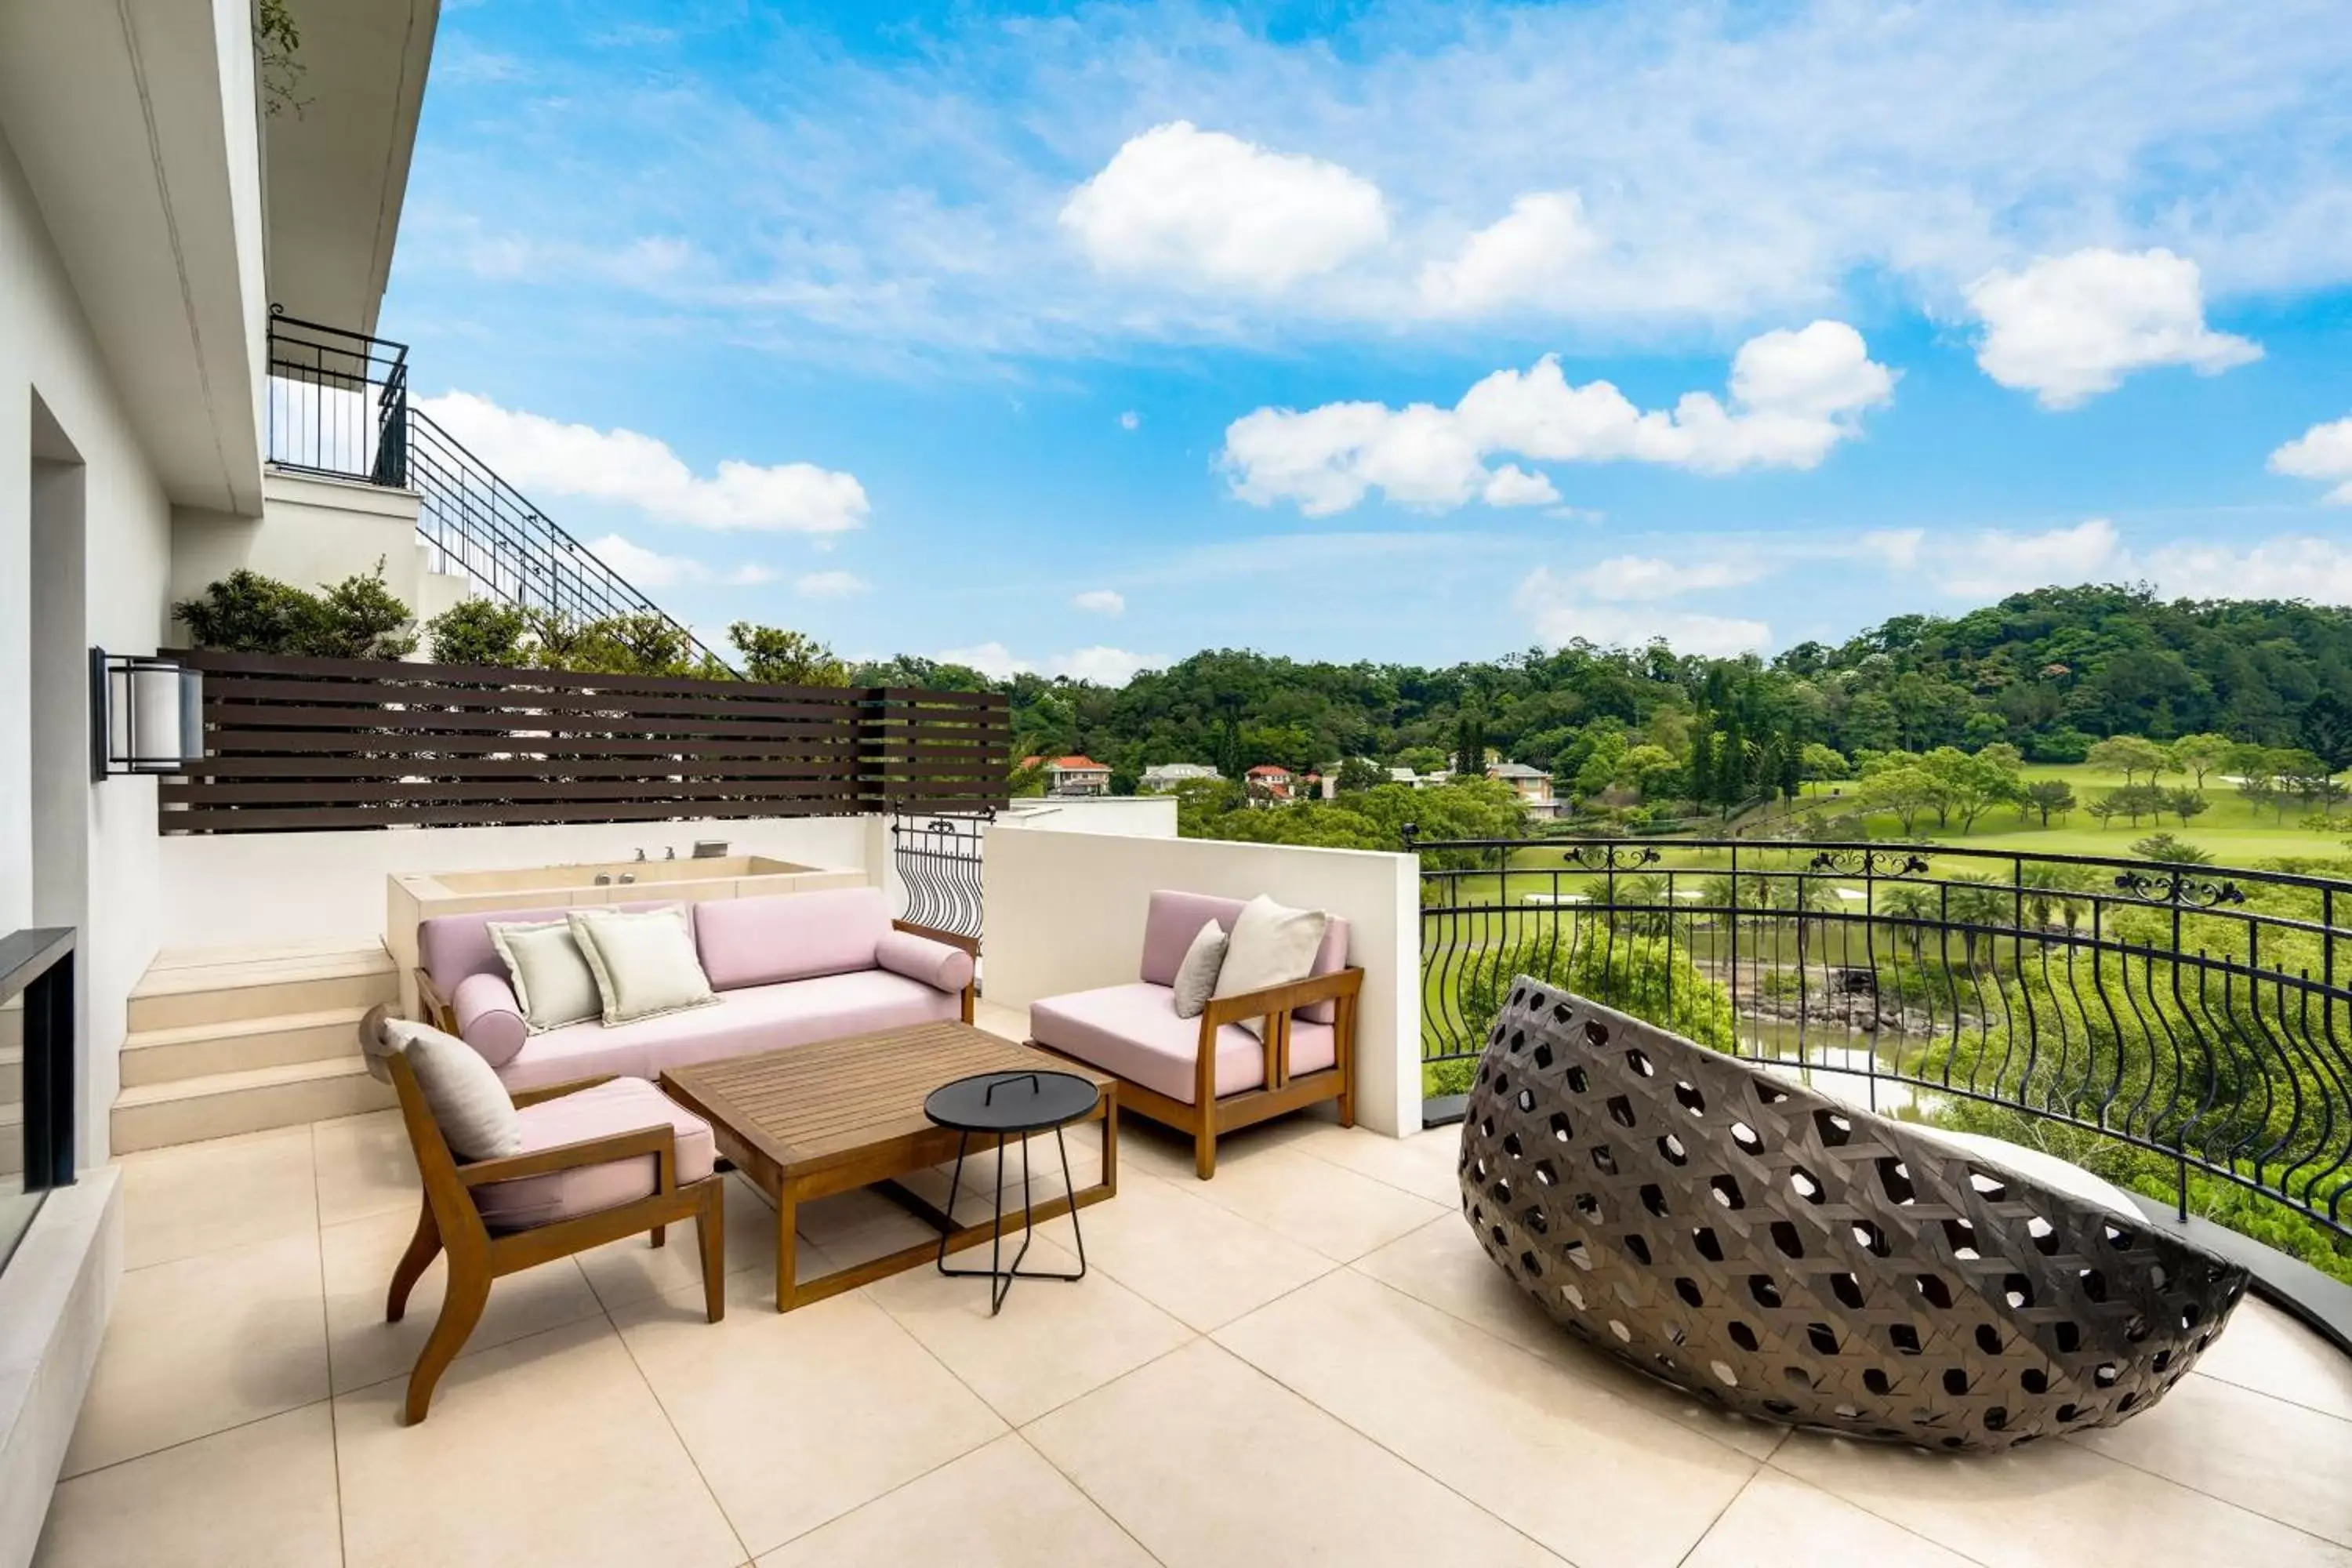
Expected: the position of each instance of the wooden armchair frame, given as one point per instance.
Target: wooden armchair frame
(449, 1222)
(1281, 1093)
(443, 1016)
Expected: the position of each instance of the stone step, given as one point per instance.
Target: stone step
(221, 1105)
(185, 989)
(238, 1044)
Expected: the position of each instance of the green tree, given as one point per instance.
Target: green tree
(1907, 791)
(2325, 728)
(2048, 797)
(1470, 746)
(479, 631)
(359, 617)
(1421, 759)
(2185, 804)
(2199, 754)
(1819, 762)
(2130, 755)
(1647, 768)
(773, 655)
(1357, 773)
(2164, 846)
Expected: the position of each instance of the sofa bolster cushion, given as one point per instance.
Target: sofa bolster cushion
(490, 1018)
(935, 963)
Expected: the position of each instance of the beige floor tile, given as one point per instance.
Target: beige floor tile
(1442, 1264)
(1001, 1505)
(1421, 1164)
(203, 1197)
(1317, 1203)
(1053, 1341)
(551, 1450)
(1198, 1262)
(1012, 1023)
(631, 1268)
(1778, 1521)
(798, 1418)
(2267, 1350)
(1524, 1437)
(364, 1166)
(2280, 1459)
(1163, 1151)
(1208, 1462)
(852, 1227)
(262, 1496)
(363, 1347)
(203, 1345)
(2048, 1505)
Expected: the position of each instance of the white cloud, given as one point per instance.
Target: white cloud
(1200, 206)
(2323, 452)
(1897, 547)
(1646, 577)
(834, 584)
(1101, 602)
(1514, 486)
(1130, 420)
(642, 568)
(2068, 327)
(1532, 257)
(1793, 396)
(1102, 666)
(2318, 570)
(1560, 610)
(542, 456)
(1987, 564)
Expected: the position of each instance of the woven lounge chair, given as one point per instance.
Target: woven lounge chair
(1795, 1258)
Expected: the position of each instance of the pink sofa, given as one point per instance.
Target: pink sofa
(789, 968)
(1209, 1074)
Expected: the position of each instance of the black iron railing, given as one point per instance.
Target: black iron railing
(2202, 1015)
(936, 863)
(36, 1074)
(339, 405)
(338, 402)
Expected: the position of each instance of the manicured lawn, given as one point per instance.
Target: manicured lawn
(2230, 828)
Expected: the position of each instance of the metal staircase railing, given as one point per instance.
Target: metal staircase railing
(339, 407)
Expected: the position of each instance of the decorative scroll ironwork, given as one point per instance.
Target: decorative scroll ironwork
(1613, 857)
(1888, 863)
(2200, 1015)
(936, 863)
(2186, 889)
(1781, 1255)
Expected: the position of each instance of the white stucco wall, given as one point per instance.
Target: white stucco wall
(255, 888)
(1143, 816)
(1065, 912)
(311, 532)
(46, 348)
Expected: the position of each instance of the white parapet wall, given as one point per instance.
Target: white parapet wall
(260, 889)
(1140, 815)
(1066, 911)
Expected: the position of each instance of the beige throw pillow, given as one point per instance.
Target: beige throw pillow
(1270, 945)
(1196, 977)
(645, 964)
(471, 1106)
(551, 975)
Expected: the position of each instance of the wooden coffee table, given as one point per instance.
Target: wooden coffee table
(807, 1122)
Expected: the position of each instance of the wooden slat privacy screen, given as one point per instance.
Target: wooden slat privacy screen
(310, 743)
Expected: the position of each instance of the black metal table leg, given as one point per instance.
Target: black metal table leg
(1000, 1274)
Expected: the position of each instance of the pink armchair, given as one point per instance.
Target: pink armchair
(1208, 1074)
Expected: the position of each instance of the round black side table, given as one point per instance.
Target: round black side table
(1006, 1105)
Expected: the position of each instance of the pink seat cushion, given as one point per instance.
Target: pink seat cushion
(1174, 919)
(1133, 1031)
(623, 1105)
(789, 936)
(754, 1019)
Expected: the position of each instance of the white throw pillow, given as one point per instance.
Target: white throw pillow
(471, 1106)
(1270, 945)
(645, 964)
(1196, 977)
(551, 975)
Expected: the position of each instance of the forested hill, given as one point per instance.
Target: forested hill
(2047, 671)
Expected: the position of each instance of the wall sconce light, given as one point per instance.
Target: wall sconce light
(146, 715)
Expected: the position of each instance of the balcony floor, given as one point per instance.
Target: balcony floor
(1308, 1359)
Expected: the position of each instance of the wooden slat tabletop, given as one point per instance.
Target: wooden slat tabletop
(811, 1104)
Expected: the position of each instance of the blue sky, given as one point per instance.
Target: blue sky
(1082, 338)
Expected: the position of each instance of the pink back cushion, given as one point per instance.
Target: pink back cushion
(1174, 919)
(789, 936)
(451, 947)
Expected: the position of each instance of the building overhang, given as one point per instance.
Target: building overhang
(336, 159)
(135, 125)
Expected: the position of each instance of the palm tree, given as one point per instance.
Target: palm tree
(1973, 903)
(1912, 903)
(2047, 885)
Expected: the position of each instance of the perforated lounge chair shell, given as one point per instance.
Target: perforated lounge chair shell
(1794, 1259)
